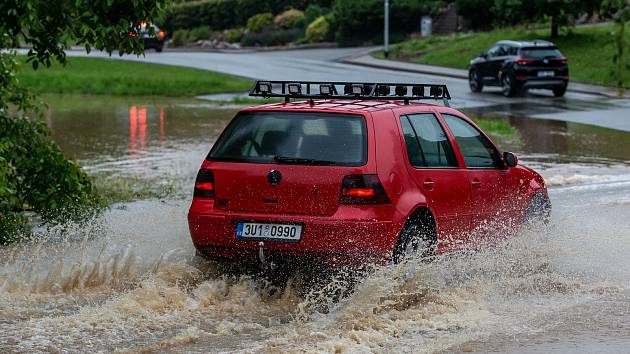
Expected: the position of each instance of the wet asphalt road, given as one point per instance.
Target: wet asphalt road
(326, 64)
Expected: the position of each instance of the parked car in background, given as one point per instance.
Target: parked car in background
(152, 36)
(520, 65)
(355, 177)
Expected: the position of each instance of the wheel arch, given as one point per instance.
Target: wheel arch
(421, 213)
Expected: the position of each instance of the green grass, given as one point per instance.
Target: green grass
(121, 189)
(96, 76)
(500, 130)
(590, 49)
(495, 126)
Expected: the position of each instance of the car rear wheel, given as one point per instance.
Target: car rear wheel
(474, 81)
(417, 239)
(158, 49)
(507, 85)
(559, 91)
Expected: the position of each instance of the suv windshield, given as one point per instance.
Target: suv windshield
(293, 138)
(540, 53)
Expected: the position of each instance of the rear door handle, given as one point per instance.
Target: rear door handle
(428, 184)
(476, 183)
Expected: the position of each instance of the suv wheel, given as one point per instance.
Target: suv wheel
(417, 239)
(559, 91)
(474, 81)
(507, 85)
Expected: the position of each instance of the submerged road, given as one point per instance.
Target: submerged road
(327, 64)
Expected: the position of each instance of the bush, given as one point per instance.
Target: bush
(223, 14)
(199, 33)
(318, 30)
(312, 12)
(35, 176)
(181, 37)
(271, 37)
(259, 22)
(234, 35)
(288, 19)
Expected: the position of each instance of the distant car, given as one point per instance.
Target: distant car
(353, 177)
(153, 40)
(520, 65)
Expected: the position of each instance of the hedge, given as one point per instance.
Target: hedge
(224, 14)
(358, 21)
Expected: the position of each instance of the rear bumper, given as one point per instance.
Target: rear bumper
(544, 83)
(351, 235)
(153, 42)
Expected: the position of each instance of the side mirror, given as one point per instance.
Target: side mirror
(510, 159)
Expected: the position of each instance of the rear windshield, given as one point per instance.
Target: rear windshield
(294, 138)
(540, 53)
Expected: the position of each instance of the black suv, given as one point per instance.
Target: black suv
(520, 65)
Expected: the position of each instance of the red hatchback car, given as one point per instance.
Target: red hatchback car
(355, 177)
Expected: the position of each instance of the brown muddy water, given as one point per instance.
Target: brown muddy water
(127, 282)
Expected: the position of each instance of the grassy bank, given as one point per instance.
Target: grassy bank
(97, 76)
(590, 49)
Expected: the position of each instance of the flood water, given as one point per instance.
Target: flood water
(127, 282)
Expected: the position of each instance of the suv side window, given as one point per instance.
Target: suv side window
(512, 51)
(477, 150)
(494, 51)
(426, 141)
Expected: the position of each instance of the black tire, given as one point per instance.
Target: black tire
(559, 91)
(539, 209)
(417, 238)
(158, 49)
(507, 85)
(474, 81)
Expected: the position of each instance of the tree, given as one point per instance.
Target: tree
(558, 11)
(620, 12)
(34, 175)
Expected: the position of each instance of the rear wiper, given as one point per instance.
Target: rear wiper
(302, 161)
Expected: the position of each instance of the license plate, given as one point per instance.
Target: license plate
(545, 73)
(281, 232)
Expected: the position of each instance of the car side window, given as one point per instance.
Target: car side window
(477, 150)
(494, 51)
(503, 51)
(426, 142)
(512, 51)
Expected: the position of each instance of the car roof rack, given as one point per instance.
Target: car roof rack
(346, 90)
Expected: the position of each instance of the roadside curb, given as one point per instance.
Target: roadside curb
(193, 49)
(435, 70)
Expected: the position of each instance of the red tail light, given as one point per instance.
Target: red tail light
(161, 35)
(523, 61)
(362, 190)
(562, 59)
(204, 185)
